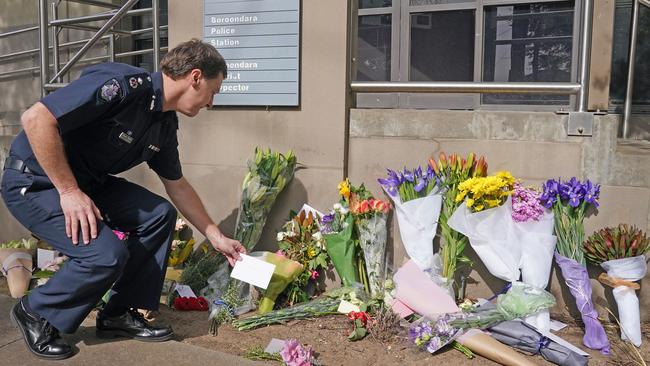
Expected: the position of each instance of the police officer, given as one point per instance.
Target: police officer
(59, 183)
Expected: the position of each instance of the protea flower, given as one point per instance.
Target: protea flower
(623, 241)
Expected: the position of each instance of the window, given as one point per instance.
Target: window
(374, 48)
(528, 43)
(442, 46)
(467, 40)
(621, 44)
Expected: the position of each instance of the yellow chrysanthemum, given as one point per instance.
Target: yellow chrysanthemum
(311, 253)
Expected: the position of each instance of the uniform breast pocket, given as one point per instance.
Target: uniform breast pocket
(121, 137)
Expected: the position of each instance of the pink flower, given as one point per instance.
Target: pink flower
(280, 253)
(525, 204)
(314, 275)
(294, 354)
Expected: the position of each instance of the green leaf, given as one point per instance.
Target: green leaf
(358, 333)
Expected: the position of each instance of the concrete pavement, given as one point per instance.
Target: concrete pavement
(92, 351)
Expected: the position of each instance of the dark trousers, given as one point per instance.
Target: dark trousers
(134, 268)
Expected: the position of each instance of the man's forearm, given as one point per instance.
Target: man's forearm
(190, 206)
(41, 129)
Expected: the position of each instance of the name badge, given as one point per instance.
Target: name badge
(154, 148)
(125, 137)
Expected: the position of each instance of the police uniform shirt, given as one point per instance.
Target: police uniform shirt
(110, 120)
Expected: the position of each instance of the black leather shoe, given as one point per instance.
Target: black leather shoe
(131, 324)
(41, 337)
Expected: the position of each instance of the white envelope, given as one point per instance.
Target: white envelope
(253, 271)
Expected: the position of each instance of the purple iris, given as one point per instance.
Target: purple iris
(574, 200)
(572, 191)
(408, 175)
(430, 173)
(592, 193)
(422, 182)
(391, 183)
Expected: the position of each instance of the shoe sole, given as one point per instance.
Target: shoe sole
(111, 334)
(22, 331)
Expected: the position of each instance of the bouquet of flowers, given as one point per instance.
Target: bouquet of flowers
(301, 242)
(520, 300)
(569, 200)
(16, 260)
(417, 200)
(182, 244)
(337, 229)
(486, 220)
(621, 252)
(267, 176)
(451, 171)
(370, 217)
(533, 224)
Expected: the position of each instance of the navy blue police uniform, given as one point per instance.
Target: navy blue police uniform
(110, 120)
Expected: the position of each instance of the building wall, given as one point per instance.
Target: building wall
(533, 146)
(215, 145)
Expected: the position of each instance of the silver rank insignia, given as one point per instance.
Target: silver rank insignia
(133, 82)
(110, 90)
(125, 137)
(154, 148)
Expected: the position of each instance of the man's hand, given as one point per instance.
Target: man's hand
(80, 213)
(230, 248)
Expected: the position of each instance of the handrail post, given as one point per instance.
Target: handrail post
(585, 43)
(155, 9)
(43, 42)
(111, 48)
(105, 28)
(629, 86)
(55, 40)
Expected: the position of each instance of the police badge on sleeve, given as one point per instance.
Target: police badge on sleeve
(110, 90)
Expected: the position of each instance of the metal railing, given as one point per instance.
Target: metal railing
(105, 34)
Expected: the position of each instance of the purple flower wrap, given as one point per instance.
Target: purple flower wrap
(577, 279)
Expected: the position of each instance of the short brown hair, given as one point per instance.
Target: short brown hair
(193, 54)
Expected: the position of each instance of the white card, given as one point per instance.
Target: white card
(557, 325)
(185, 291)
(45, 257)
(346, 307)
(275, 346)
(254, 271)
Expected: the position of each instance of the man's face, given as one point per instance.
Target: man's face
(199, 93)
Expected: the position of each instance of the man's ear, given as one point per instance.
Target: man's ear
(195, 77)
